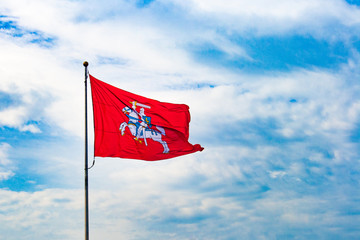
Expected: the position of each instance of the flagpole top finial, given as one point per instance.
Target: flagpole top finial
(86, 64)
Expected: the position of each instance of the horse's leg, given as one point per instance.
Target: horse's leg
(132, 129)
(157, 138)
(166, 148)
(164, 144)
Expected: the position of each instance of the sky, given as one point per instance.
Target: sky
(274, 94)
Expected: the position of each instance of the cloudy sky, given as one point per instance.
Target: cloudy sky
(273, 88)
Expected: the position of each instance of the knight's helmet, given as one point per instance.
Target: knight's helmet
(142, 111)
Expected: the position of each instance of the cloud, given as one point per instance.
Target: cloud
(6, 168)
(37, 88)
(295, 105)
(177, 214)
(31, 128)
(40, 214)
(275, 17)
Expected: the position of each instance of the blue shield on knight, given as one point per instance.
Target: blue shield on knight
(147, 120)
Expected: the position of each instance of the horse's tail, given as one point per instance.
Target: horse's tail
(161, 130)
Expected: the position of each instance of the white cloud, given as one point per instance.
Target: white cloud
(40, 214)
(175, 213)
(31, 128)
(303, 103)
(6, 168)
(276, 17)
(12, 117)
(277, 174)
(39, 87)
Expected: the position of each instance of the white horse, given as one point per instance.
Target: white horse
(146, 133)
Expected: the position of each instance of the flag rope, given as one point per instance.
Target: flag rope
(93, 163)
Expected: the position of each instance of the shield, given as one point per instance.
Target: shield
(147, 120)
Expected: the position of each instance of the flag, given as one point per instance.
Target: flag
(127, 125)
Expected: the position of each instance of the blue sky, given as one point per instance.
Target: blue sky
(273, 90)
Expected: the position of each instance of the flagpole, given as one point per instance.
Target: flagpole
(86, 64)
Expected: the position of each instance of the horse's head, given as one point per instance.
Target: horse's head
(126, 110)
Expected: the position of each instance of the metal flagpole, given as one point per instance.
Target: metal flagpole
(86, 64)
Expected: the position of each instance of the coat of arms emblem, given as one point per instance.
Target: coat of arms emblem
(140, 125)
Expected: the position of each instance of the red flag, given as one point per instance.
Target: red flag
(131, 126)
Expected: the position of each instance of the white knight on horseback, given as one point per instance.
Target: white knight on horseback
(140, 126)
